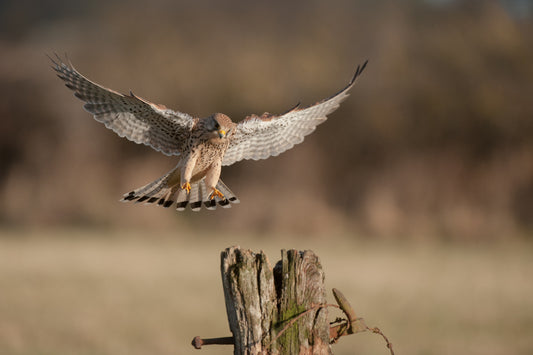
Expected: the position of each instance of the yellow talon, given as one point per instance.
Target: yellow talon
(187, 187)
(216, 193)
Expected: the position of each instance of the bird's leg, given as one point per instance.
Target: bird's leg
(186, 186)
(187, 169)
(211, 179)
(216, 193)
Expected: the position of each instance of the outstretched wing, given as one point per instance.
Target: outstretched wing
(259, 137)
(129, 116)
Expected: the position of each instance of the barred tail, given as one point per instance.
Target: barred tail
(160, 191)
(166, 190)
(201, 194)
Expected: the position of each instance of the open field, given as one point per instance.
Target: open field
(429, 163)
(74, 292)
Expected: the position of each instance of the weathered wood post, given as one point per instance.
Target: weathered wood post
(281, 310)
(274, 310)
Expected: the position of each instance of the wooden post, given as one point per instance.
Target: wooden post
(274, 310)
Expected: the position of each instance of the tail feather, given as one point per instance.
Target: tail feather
(166, 191)
(195, 196)
(160, 190)
(230, 196)
(182, 201)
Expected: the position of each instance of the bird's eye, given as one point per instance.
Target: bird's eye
(214, 126)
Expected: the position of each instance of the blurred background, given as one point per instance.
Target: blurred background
(417, 192)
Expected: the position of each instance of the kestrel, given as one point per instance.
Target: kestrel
(203, 145)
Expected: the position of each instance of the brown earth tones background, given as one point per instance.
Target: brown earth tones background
(417, 192)
(435, 140)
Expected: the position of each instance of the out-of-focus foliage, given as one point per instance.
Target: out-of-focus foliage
(436, 139)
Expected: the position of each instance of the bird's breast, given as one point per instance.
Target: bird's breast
(208, 155)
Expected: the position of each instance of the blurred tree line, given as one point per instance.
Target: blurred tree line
(436, 139)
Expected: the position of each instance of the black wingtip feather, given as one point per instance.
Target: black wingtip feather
(358, 71)
(295, 107)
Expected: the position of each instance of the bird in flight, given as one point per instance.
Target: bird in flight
(203, 145)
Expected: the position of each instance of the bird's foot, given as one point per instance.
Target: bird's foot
(216, 193)
(186, 187)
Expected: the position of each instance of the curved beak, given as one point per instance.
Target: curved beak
(221, 133)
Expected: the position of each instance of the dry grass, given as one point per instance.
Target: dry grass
(115, 293)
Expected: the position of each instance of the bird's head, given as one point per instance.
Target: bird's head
(218, 126)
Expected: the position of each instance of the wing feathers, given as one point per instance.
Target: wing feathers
(259, 137)
(129, 116)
